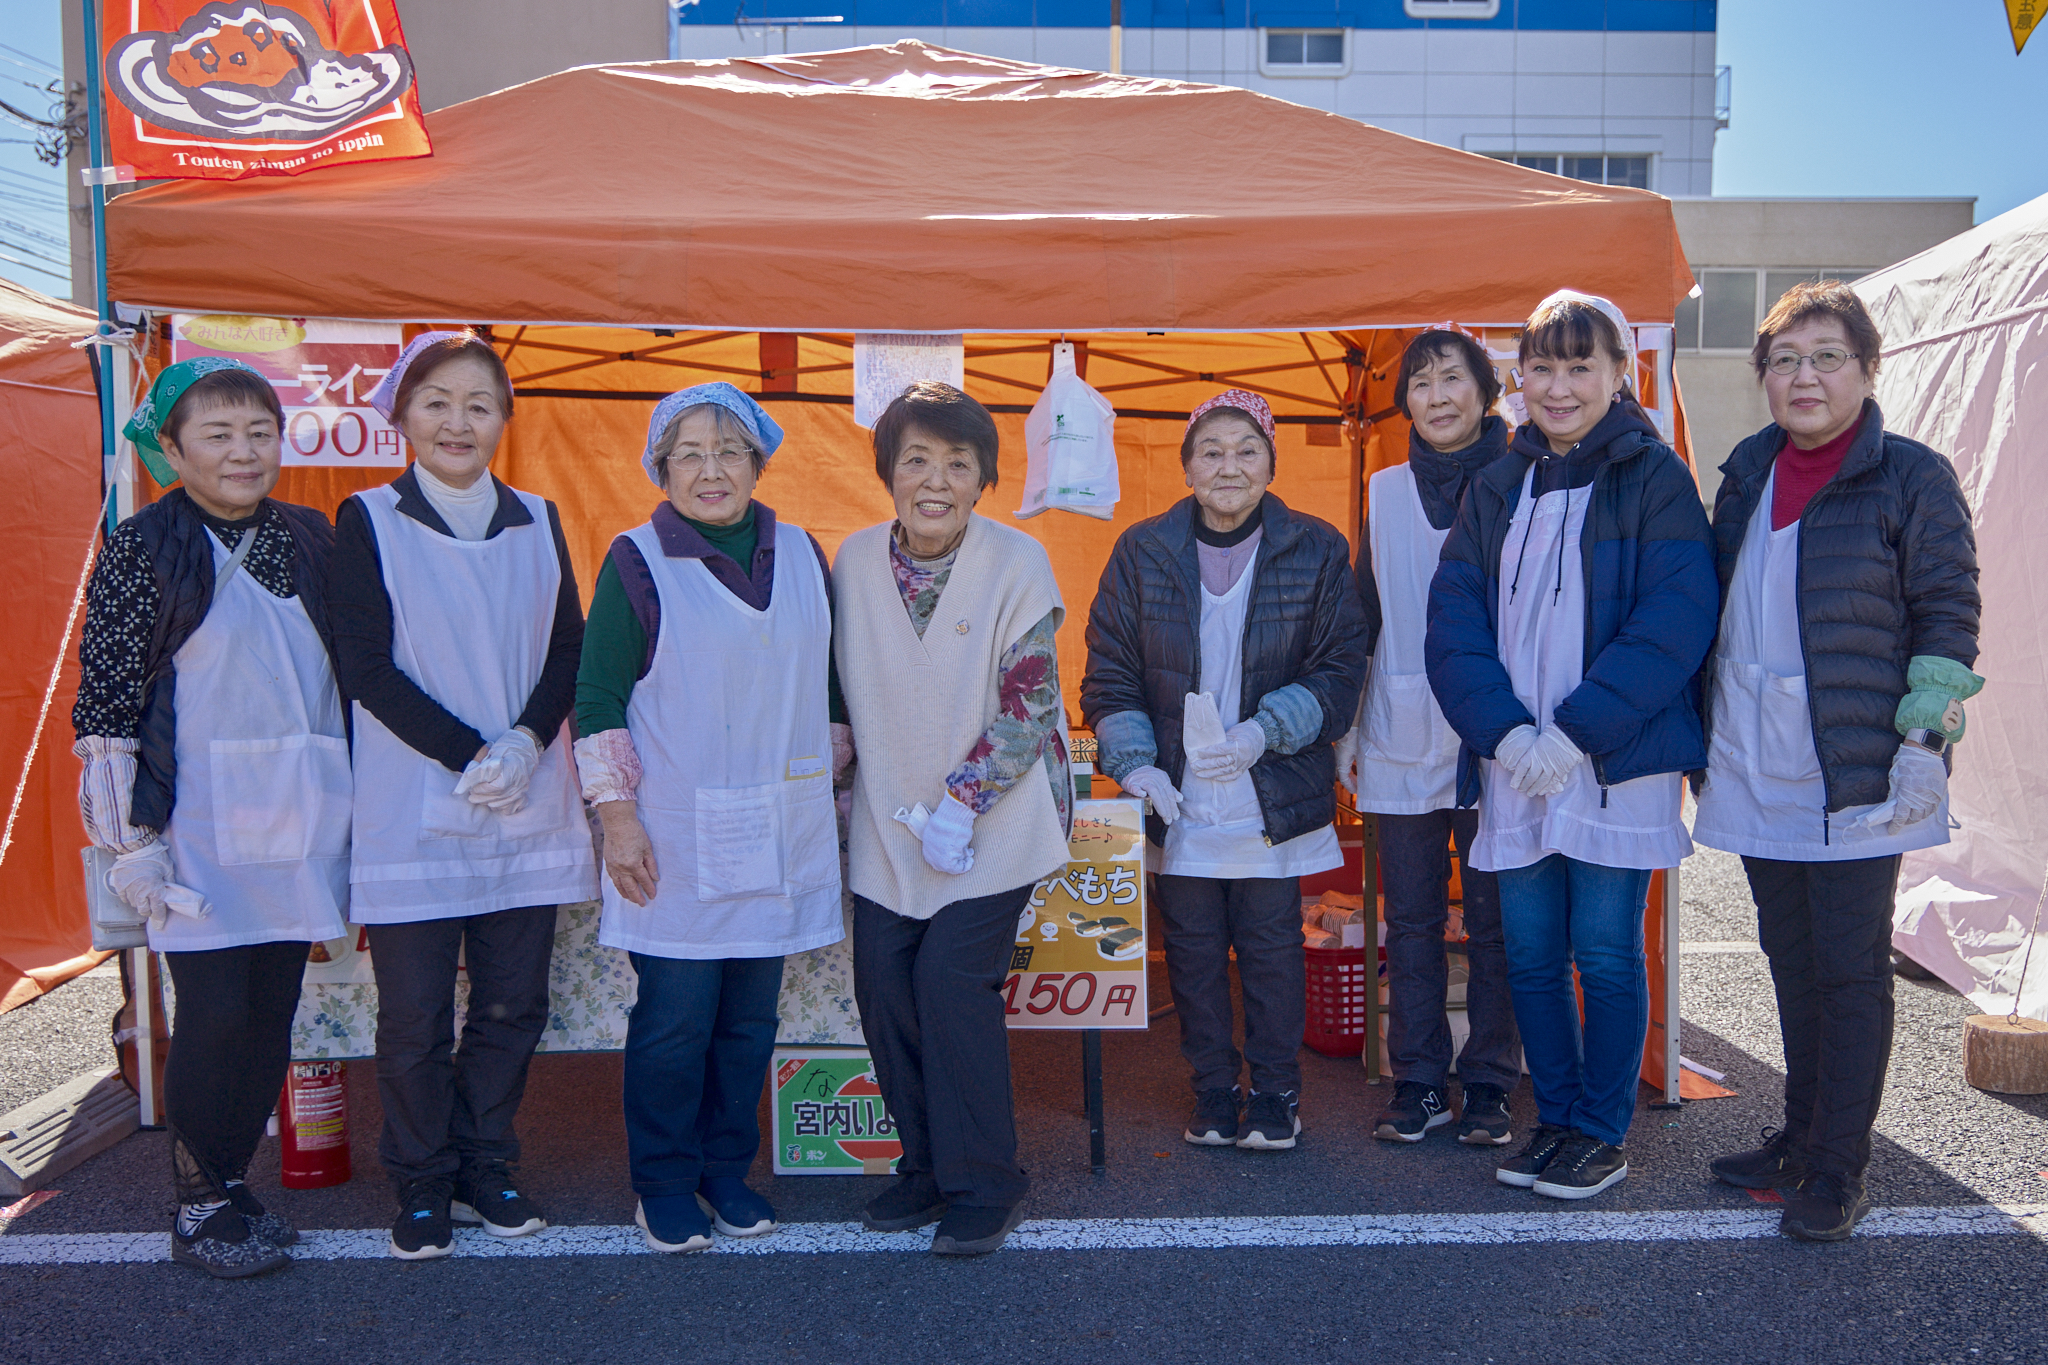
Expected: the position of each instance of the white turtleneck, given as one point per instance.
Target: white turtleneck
(466, 510)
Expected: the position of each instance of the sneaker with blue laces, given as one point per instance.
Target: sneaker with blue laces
(423, 1230)
(484, 1193)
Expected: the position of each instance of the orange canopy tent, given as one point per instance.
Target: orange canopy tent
(624, 231)
(50, 440)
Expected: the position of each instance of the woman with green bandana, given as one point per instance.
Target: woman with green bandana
(217, 775)
(703, 702)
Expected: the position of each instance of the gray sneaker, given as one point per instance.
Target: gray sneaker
(225, 1248)
(265, 1223)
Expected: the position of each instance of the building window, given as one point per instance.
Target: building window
(1632, 171)
(1732, 304)
(1304, 52)
(1450, 9)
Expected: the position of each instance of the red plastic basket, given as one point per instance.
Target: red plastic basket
(1337, 982)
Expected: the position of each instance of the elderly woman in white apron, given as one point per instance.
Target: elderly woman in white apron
(1226, 648)
(706, 749)
(215, 769)
(1401, 760)
(457, 631)
(1572, 608)
(1844, 659)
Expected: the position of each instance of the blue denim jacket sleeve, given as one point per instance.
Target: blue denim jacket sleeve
(1124, 741)
(1291, 717)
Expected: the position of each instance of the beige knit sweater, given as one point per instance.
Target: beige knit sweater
(918, 705)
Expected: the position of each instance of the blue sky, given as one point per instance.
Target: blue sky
(1831, 97)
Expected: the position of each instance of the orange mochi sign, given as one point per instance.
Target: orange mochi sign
(225, 89)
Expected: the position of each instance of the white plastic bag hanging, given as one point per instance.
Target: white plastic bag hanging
(1070, 446)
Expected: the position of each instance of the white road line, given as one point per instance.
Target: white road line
(1719, 946)
(1106, 1234)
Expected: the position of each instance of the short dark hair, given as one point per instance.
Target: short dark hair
(1209, 419)
(938, 410)
(1820, 299)
(1438, 344)
(236, 388)
(432, 357)
(1566, 329)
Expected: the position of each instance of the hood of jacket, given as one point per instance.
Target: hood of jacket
(1613, 437)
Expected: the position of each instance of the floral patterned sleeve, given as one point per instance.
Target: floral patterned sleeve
(1025, 733)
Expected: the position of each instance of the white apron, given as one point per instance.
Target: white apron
(1764, 796)
(1543, 644)
(1221, 832)
(260, 826)
(470, 623)
(731, 725)
(1407, 751)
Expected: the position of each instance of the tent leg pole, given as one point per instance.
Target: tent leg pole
(1671, 974)
(142, 971)
(1369, 886)
(1091, 1093)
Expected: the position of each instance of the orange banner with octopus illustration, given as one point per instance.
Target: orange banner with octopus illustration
(226, 89)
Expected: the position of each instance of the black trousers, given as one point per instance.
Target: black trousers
(930, 996)
(230, 1044)
(1827, 929)
(444, 1108)
(1206, 917)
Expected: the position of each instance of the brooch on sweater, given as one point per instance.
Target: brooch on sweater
(960, 626)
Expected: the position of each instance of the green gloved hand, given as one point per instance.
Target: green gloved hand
(1939, 689)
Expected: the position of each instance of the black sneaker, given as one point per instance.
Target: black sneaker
(1524, 1166)
(271, 1227)
(1777, 1165)
(1272, 1120)
(1484, 1120)
(1582, 1168)
(1217, 1117)
(223, 1246)
(911, 1202)
(974, 1232)
(484, 1194)
(1825, 1208)
(1416, 1109)
(422, 1230)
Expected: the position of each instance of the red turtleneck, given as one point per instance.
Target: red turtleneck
(1802, 472)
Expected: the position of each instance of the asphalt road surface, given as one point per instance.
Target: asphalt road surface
(1347, 1248)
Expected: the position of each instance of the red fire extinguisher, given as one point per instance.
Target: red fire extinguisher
(313, 1125)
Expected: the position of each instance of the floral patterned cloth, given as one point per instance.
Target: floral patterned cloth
(1025, 732)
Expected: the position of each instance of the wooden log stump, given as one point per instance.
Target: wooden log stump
(2005, 1057)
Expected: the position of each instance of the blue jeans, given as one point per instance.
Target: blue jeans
(697, 1051)
(1415, 874)
(1559, 912)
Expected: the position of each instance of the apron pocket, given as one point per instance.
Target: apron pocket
(280, 800)
(445, 815)
(739, 841)
(1785, 748)
(811, 834)
(1401, 720)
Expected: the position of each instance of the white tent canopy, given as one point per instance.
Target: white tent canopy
(1966, 372)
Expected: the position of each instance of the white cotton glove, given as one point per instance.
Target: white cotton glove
(1919, 783)
(1155, 786)
(1553, 758)
(1512, 753)
(143, 880)
(945, 835)
(842, 751)
(1242, 744)
(1347, 761)
(500, 778)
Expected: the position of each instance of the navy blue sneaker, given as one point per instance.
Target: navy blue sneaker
(673, 1222)
(735, 1210)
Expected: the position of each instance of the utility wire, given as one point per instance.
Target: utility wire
(28, 61)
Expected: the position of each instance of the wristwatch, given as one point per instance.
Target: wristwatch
(1929, 740)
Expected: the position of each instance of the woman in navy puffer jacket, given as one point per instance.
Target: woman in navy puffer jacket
(1571, 611)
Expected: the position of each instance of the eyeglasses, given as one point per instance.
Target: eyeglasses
(1826, 360)
(727, 459)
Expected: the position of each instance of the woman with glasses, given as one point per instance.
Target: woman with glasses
(1226, 650)
(1849, 576)
(708, 751)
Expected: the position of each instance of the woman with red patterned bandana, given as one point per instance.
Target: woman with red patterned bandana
(1226, 649)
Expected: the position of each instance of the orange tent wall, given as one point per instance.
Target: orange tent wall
(50, 442)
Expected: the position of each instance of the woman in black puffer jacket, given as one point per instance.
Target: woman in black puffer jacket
(1226, 649)
(1849, 581)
